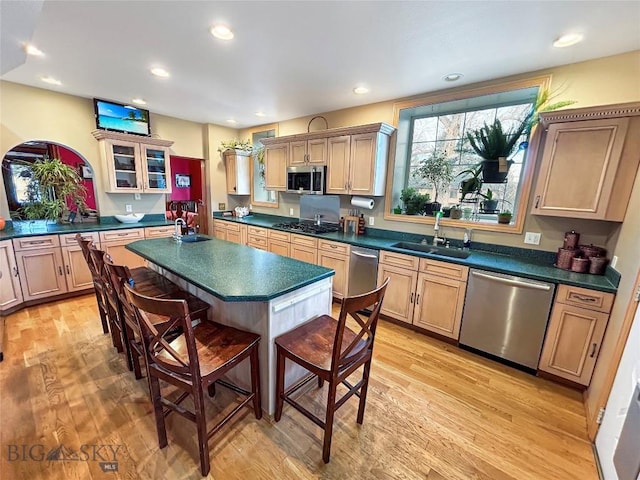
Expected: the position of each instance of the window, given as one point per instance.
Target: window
(440, 125)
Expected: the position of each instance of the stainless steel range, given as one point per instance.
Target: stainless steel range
(308, 227)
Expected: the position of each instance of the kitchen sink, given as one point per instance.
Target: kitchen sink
(195, 238)
(421, 247)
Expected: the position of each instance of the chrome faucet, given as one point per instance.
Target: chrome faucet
(179, 223)
(437, 240)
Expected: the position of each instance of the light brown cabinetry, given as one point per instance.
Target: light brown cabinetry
(308, 152)
(276, 157)
(134, 165)
(335, 255)
(76, 271)
(304, 248)
(278, 242)
(10, 290)
(40, 266)
(427, 293)
(257, 237)
(230, 231)
(159, 232)
(114, 243)
(589, 159)
(576, 328)
(237, 164)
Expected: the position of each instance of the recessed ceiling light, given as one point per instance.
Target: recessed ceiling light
(360, 90)
(261, 114)
(138, 101)
(452, 77)
(232, 121)
(567, 40)
(51, 80)
(33, 50)
(222, 32)
(159, 72)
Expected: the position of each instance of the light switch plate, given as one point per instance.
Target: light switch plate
(371, 221)
(532, 238)
(128, 208)
(136, 196)
(291, 212)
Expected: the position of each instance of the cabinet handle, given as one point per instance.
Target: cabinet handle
(537, 201)
(583, 298)
(68, 271)
(122, 234)
(15, 271)
(417, 299)
(60, 272)
(593, 350)
(39, 242)
(411, 301)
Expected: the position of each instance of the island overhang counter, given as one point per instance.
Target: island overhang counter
(247, 288)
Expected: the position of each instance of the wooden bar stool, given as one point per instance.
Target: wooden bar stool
(97, 281)
(331, 352)
(196, 360)
(151, 284)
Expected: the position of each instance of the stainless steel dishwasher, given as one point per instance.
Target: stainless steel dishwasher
(363, 270)
(506, 316)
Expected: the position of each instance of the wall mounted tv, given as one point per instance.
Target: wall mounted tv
(121, 118)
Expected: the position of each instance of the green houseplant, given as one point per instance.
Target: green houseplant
(414, 202)
(471, 185)
(53, 186)
(505, 217)
(437, 170)
(489, 204)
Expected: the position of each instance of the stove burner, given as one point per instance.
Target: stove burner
(308, 227)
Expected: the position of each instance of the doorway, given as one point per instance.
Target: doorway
(189, 188)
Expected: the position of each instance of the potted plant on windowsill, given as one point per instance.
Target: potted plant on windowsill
(413, 201)
(436, 170)
(489, 204)
(505, 217)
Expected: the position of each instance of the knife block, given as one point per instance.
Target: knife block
(351, 220)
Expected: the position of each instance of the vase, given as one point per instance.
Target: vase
(491, 172)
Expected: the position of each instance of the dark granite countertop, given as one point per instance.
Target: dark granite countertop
(30, 229)
(231, 272)
(537, 265)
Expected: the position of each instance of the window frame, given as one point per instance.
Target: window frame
(250, 132)
(529, 162)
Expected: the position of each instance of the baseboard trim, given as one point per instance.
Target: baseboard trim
(597, 459)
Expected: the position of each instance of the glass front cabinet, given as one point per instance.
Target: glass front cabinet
(135, 165)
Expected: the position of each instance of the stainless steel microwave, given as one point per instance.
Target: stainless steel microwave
(306, 179)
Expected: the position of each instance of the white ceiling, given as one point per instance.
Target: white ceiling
(296, 58)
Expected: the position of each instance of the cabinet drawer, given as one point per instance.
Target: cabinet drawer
(333, 247)
(257, 242)
(69, 239)
(33, 243)
(399, 260)
(304, 241)
(444, 269)
(276, 235)
(232, 227)
(585, 298)
(158, 232)
(118, 235)
(257, 231)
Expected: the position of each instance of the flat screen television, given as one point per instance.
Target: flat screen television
(121, 118)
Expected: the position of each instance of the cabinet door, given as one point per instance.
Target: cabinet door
(278, 246)
(439, 303)
(41, 273)
(258, 242)
(231, 170)
(362, 164)
(304, 253)
(159, 232)
(399, 299)
(235, 237)
(297, 153)
(572, 342)
(122, 256)
(338, 164)
(237, 166)
(76, 270)
(340, 264)
(123, 165)
(579, 167)
(156, 169)
(275, 166)
(10, 291)
(317, 151)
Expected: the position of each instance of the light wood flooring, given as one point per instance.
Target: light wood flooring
(433, 412)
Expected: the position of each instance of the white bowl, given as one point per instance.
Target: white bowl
(130, 217)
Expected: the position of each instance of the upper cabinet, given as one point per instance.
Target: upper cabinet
(135, 164)
(589, 162)
(356, 157)
(238, 169)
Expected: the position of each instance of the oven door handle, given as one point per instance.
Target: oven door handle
(513, 283)
(364, 255)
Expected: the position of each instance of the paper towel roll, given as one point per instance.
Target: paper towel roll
(363, 202)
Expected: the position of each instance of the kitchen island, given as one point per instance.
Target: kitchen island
(247, 288)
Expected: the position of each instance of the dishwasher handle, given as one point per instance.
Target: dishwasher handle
(365, 255)
(511, 282)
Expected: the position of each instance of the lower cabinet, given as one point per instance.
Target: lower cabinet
(335, 255)
(278, 242)
(159, 232)
(304, 248)
(76, 270)
(257, 237)
(10, 290)
(41, 273)
(114, 243)
(229, 231)
(576, 328)
(427, 293)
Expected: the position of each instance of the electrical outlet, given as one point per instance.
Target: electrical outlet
(371, 221)
(222, 206)
(614, 261)
(291, 212)
(128, 208)
(250, 207)
(136, 196)
(532, 238)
